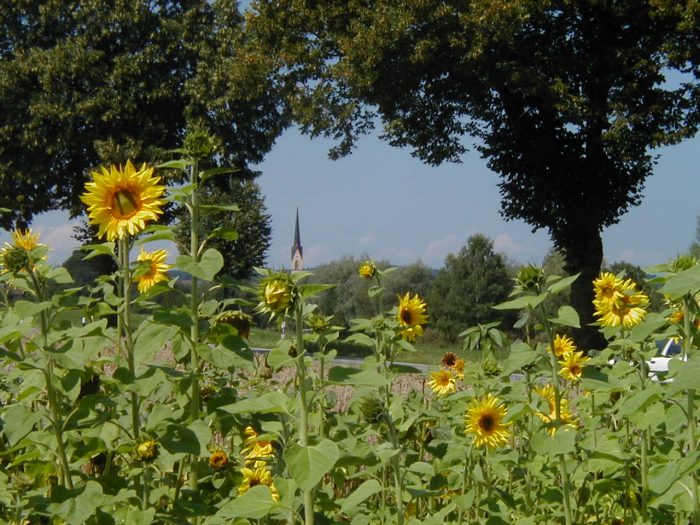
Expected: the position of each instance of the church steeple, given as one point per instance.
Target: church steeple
(297, 249)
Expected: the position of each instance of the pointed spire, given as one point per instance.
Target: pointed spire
(297, 249)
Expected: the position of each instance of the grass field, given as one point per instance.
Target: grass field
(429, 352)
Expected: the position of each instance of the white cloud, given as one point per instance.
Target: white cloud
(367, 239)
(60, 240)
(506, 244)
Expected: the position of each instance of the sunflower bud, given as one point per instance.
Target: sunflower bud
(277, 293)
(319, 323)
(147, 451)
(200, 145)
(372, 410)
(15, 259)
(367, 270)
(683, 262)
(530, 278)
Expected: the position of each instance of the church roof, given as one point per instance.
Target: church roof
(297, 238)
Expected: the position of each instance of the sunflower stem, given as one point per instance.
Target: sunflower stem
(194, 307)
(126, 326)
(303, 406)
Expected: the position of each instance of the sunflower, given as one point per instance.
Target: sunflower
(27, 239)
(565, 416)
(411, 316)
(607, 288)
(442, 382)
(255, 450)
(448, 359)
(277, 293)
(121, 200)
(627, 310)
(218, 460)
(367, 270)
(458, 368)
(147, 450)
(484, 420)
(572, 365)
(16, 256)
(562, 344)
(156, 268)
(257, 476)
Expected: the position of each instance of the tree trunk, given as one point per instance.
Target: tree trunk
(583, 253)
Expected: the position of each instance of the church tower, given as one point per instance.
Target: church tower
(297, 250)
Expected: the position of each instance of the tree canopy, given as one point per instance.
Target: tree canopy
(566, 100)
(87, 83)
(468, 286)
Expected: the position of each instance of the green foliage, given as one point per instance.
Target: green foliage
(566, 101)
(470, 284)
(240, 232)
(87, 83)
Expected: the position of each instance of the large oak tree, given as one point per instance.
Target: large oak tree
(86, 82)
(566, 99)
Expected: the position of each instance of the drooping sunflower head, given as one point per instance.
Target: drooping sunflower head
(484, 420)
(154, 269)
(367, 270)
(121, 200)
(218, 460)
(238, 319)
(572, 365)
(562, 344)
(442, 382)
(257, 476)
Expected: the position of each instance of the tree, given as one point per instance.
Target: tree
(694, 249)
(87, 83)
(566, 99)
(468, 286)
(251, 223)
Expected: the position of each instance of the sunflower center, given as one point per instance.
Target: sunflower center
(124, 204)
(575, 370)
(255, 481)
(406, 316)
(486, 422)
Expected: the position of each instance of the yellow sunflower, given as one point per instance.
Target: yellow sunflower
(458, 368)
(257, 476)
(442, 382)
(572, 365)
(218, 460)
(121, 200)
(157, 269)
(256, 450)
(484, 420)
(607, 287)
(565, 416)
(412, 316)
(367, 270)
(562, 344)
(277, 293)
(16, 256)
(627, 310)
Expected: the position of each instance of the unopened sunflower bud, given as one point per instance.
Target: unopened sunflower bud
(367, 270)
(530, 278)
(277, 293)
(372, 410)
(147, 451)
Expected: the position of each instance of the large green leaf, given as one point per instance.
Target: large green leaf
(520, 356)
(209, 264)
(309, 464)
(525, 301)
(18, 421)
(683, 283)
(562, 442)
(274, 402)
(256, 503)
(566, 316)
(562, 284)
(367, 489)
(341, 375)
(79, 508)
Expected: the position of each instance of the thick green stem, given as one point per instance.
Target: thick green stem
(303, 407)
(54, 407)
(194, 310)
(690, 409)
(126, 324)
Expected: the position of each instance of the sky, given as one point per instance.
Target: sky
(382, 203)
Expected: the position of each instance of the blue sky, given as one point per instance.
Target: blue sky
(382, 202)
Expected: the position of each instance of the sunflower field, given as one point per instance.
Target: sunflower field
(175, 420)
